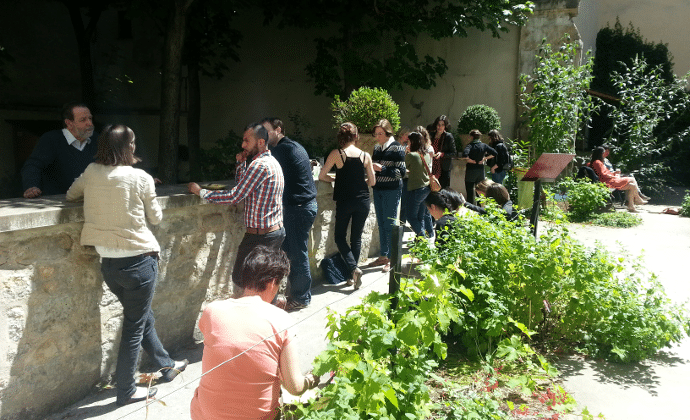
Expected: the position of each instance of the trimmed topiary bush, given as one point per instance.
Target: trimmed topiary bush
(482, 117)
(364, 108)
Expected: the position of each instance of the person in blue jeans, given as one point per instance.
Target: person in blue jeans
(353, 176)
(418, 185)
(299, 210)
(118, 201)
(389, 165)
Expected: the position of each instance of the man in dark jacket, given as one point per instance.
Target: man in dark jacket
(60, 156)
(299, 209)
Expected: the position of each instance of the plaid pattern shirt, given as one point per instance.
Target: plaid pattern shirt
(261, 185)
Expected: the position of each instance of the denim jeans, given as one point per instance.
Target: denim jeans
(356, 211)
(386, 206)
(499, 176)
(133, 281)
(299, 220)
(249, 242)
(417, 212)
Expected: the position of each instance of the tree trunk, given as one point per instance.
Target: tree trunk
(193, 119)
(170, 90)
(83, 37)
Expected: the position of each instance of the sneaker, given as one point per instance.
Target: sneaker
(294, 305)
(171, 373)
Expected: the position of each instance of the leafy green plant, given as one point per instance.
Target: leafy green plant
(481, 117)
(584, 197)
(364, 108)
(616, 219)
(685, 207)
(218, 161)
(555, 99)
(583, 297)
(646, 100)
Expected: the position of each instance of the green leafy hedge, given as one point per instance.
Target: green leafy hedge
(364, 108)
(602, 305)
(481, 117)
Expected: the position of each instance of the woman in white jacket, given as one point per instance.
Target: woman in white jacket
(118, 200)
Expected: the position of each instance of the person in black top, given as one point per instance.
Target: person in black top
(500, 164)
(444, 147)
(354, 176)
(500, 195)
(299, 208)
(475, 153)
(442, 206)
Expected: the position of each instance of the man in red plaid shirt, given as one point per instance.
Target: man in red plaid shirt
(259, 182)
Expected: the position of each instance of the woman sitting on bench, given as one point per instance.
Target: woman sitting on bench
(614, 181)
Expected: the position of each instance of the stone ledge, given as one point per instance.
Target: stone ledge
(21, 213)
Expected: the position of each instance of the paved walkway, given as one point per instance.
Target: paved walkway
(176, 396)
(654, 389)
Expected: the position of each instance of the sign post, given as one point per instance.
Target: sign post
(545, 169)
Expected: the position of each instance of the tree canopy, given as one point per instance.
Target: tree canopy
(370, 42)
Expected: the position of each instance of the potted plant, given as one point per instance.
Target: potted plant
(364, 108)
(481, 117)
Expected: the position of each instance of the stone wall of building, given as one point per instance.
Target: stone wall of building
(60, 325)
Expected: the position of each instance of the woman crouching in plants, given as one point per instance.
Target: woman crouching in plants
(442, 206)
(500, 195)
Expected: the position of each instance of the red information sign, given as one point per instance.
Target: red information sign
(548, 166)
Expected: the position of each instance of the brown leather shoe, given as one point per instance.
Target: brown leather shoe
(378, 262)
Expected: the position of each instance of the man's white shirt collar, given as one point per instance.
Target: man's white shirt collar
(71, 140)
(388, 143)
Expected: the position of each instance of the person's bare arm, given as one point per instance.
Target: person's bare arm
(369, 168)
(291, 377)
(330, 161)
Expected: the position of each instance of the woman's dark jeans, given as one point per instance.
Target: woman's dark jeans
(418, 214)
(357, 211)
(133, 281)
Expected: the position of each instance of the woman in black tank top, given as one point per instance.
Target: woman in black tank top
(354, 176)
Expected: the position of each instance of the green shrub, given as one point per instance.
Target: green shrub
(617, 219)
(685, 207)
(584, 197)
(364, 108)
(218, 161)
(481, 117)
(505, 282)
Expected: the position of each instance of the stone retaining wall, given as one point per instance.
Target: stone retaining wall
(60, 326)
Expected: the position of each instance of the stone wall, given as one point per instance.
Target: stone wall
(60, 326)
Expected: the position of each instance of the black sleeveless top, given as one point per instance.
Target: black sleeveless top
(349, 180)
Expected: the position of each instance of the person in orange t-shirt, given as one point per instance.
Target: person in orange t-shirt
(249, 349)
